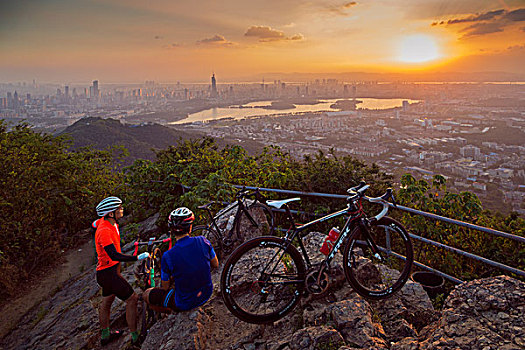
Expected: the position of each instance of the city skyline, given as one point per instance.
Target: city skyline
(128, 41)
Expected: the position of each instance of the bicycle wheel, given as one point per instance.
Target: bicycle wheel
(377, 275)
(260, 222)
(263, 280)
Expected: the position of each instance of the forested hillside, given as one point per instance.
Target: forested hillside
(140, 140)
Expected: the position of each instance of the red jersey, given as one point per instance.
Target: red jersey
(106, 234)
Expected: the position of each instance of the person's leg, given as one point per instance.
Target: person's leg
(157, 300)
(104, 311)
(131, 312)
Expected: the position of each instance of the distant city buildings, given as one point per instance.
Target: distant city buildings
(450, 133)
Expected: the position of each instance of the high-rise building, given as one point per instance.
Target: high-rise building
(9, 100)
(213, 86)
(15, 100)
(94, 90)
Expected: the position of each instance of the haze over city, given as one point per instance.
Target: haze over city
(426, 87)
(168, 41)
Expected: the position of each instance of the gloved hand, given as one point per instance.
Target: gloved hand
(143, 256)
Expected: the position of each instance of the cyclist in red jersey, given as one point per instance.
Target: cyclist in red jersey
(107, 244)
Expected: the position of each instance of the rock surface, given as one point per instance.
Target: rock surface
(481, 314)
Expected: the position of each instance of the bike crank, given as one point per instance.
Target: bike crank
(317, 281)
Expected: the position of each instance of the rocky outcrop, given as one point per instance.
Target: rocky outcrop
(482, 314)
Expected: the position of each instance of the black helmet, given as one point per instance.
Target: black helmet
(180, 219)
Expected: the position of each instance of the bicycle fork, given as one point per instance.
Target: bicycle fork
(364, 226)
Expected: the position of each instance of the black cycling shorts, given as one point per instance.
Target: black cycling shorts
(164, 298)
(113, 283)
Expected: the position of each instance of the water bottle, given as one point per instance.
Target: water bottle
(329, 241)
(229, 224)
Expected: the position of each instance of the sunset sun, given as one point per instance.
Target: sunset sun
(418, 48)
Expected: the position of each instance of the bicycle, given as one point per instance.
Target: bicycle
(147, 275)
(255, 215)
(265, 278)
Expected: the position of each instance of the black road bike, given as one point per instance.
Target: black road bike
(147, 273)
(264, 278)
(254, 216)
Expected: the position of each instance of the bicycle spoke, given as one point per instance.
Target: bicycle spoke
(263, 281)
(377, 263)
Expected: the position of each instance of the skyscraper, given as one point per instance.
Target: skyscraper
(213, 86)
(94, 91)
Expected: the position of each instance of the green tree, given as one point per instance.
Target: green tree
(47, 194)
(210, 172)
(464, 206)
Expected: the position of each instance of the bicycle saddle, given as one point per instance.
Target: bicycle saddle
(279, 204)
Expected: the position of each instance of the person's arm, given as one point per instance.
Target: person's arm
(214, 263)
(165, 285)
(116, 256)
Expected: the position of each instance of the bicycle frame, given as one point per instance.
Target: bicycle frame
(150, 243)
(241, 210)
(295, 231)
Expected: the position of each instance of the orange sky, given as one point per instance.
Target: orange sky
(167, 41)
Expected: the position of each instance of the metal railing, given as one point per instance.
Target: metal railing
(422, 239)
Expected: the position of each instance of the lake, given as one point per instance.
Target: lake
(255, 110)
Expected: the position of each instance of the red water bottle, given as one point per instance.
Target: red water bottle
(329, 241)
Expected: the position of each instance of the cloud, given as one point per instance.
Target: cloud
(482, 29)
(297, 37)
(158, 37)
(516, 15)
(266, 34)
(341, 9)
(482, 17)
(350, 4)
(516, 47)
(485, 23)
(214, 40)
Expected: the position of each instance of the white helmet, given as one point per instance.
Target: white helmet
(108, 205)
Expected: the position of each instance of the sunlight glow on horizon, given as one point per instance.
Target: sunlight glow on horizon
(131, 40)
(418, 48)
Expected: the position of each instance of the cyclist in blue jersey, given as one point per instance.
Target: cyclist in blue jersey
(185, 268)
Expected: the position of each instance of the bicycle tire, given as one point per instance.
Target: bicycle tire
(378, 276)
(263, 216)
(263, 280)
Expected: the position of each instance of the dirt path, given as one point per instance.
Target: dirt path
(77, 260)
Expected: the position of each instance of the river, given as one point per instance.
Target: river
(255, 109)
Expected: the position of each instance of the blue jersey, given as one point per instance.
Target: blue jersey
(188, 263)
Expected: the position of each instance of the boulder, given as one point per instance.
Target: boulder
(183, 330)
(316, 338)
(482, 314)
